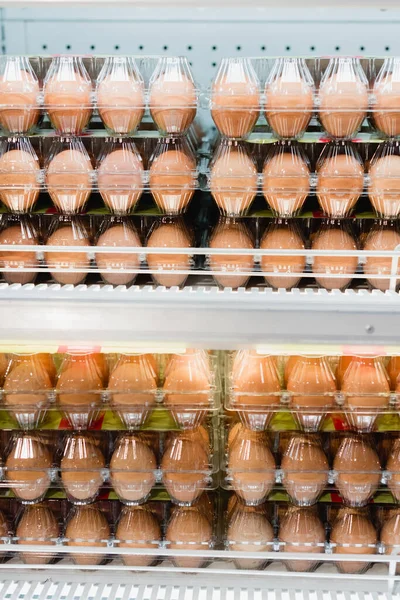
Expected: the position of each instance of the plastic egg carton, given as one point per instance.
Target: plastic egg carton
(72, 90)
(343, 467)
(287, 92)
(128, 466)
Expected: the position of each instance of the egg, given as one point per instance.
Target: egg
(384, 185)
(138, 528)
(249, 531)
(120, 180)
(81, 469)
(301, 531)
(68, 235)
(343, 365)
(231, 235)
(188, 529)
(87, 527)
(305, 470)
(42, 361)
(28, 468)
(353, 533)
(393, 371)
(251, 467)
(172, 100)
(17, 235)
(387, 101)
(288, 106)
(19, 91)
(282, 237)
(67, 98)
(37, 526)
(286, 182)
(169, 235)
(358, 471)
(343, 103)
(172, 180)
(289, 366)
(381, 239)
(132, 469)
(185, 469)
(19, 173)
(124, 236)
(390, 536)
(68, 180)
(333, 239)
(312, 386)
(233, 179)
(120, 102)
(393, 467)
(4, 363)
(340, 184)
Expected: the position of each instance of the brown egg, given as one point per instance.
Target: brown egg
(381, 239)
(353, 533)
(115, 236)
(120, 180)
(393, 370)
(387, 101)
(358, 471)
(333, 239)
(390, 536)
(301, 531)
(252, 469)
(132, 469)
(138, 528)
(120, 102)
(233, 179)
(19, 90)
(172, 101)
(4, 363)
(343, 104)
(169, 235)
(286, 182)
(28, 468)
(17, 235)
(343, 365)
(235, 103)
(37, 526)
(285, 238)
(384, 185)
(185, 467)
(340, 184)
(288, 106)
(289, 366)
(188, 529)
(249, 531)
(231, 235)
(68, 180)
(19, 172)
(87, 527)
(81, 467)
(68, 235)
(393, 466)
(305, 470)
(68, 101)
(172, 180)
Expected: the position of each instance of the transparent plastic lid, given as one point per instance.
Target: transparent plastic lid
(384, 180)
(19, 174)
(18, 231)
(19, 95)
(386, 96)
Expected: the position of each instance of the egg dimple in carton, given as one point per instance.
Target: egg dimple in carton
(68, 267)
(301, 531)
(386, 98)
(38, 526)
(82, 467)
(189, 529)
(340, 178)
(254, 387)
(120, 95)
(68, 95)
(312, 389)
(120, 175)
(118, 268)
(343, 97)
(18, 266)
(173, 174)
(353, 533)
(169, 269)
(233, 177)
(28, 388)
(334, 235)
(172, 95)
(235, 98)
(19, 95)
(79, 389)
(20, 175)
(289, 97)
(248, 530)
(132, 389)
(87, 526)
(382, 272)
(231, 270)
(286, 178)
(283, 271)
(384, 180)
